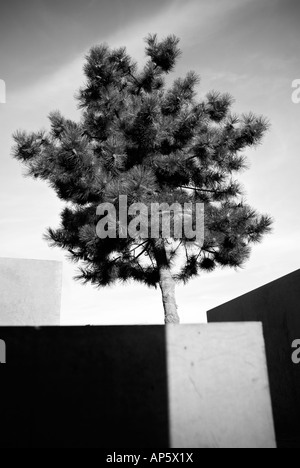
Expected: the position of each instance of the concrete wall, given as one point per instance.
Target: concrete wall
(218, 387)
(277, 305)
(135, 387)
(30, 292)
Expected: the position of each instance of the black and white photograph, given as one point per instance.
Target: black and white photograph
(149, 227)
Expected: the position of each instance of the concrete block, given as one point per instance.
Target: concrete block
(218, 387)
(135, 387)
(277, 306)
(30, 292)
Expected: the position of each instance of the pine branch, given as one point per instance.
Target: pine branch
(197, 189)
(142, 253)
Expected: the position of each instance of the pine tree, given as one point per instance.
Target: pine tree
(152, 143)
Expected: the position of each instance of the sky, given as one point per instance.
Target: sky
(249, 48)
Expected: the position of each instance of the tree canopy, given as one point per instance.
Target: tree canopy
(155, 144)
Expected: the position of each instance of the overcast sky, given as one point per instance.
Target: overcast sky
(247, 47)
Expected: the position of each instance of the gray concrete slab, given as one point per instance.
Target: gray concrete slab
(30, 292)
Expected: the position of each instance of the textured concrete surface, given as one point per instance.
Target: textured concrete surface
(277, 305)
(218, 387)
(30, 292)
(135, 387)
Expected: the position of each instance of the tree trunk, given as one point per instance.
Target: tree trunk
(167, 286)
